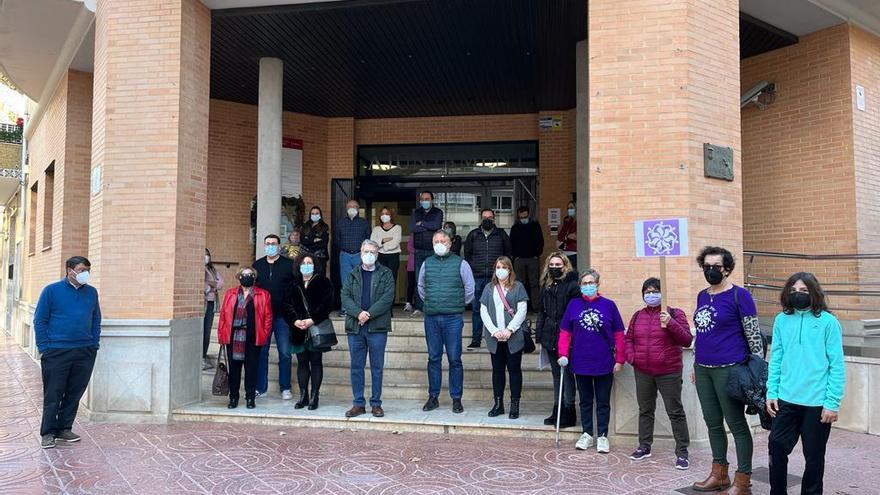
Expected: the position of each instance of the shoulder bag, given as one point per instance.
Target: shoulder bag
(220, 386)
(322, 333)
(528, 342)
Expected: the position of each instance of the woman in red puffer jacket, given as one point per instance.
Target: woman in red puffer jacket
(654, 340)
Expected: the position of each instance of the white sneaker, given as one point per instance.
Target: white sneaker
(584, 442)
(286, 395)
(602, 445)
(407, 308)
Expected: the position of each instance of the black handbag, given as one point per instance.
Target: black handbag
(322, 333)
(220, 386)
(528, 343)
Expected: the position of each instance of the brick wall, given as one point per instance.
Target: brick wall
(655, 97)
(47, 145)
(799, 192)
(865, 70)
(74, 182)
(150, 140)
(232, 176)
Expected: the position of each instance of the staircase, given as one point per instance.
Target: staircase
(404, 390)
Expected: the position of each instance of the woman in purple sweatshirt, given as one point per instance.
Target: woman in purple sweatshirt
(654, 340)
(591, 339)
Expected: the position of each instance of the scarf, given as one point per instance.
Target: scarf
(239, 325)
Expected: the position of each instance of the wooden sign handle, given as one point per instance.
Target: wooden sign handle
(664, 287)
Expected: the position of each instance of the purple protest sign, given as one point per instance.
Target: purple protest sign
(661, 237)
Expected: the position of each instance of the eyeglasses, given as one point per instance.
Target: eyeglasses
(713, 267)
(589, 283)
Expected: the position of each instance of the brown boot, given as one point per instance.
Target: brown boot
(742, 485)
(718, 479)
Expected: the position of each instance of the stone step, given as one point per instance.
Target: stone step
(394, 373)
(401, 416)
(339, 386)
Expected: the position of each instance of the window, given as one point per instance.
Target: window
(48, 196)
(32, 220)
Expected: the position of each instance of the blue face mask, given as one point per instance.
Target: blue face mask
(652, 298)
(426, 205)
(272, 250)
(589, 290)
(315, 218)
(571, 212)
(524, 221)
(307, 269)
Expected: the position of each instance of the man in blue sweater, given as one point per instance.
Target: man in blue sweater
(67, 324)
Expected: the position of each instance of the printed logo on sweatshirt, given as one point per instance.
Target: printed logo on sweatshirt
(591, 320)
(705, 318)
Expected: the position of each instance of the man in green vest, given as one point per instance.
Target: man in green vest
(446, 285)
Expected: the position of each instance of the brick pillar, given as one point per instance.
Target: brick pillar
(147, 218)
(664, 79)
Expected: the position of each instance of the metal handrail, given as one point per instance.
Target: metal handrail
(820, 257)
(754, 282)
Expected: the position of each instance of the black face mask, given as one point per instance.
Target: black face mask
(713, 275)
(799, 300)
(247, 280)
(488, 224)
(555, 272)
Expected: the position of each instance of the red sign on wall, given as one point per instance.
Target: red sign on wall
(292, 143)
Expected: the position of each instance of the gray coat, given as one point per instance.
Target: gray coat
(516, 295)
(381, 298)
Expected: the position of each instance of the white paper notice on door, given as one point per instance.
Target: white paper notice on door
(291, 167)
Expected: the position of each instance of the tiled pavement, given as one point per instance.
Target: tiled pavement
(237, 458)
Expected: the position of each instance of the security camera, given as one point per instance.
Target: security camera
(753, 95)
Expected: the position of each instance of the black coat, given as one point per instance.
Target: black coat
(748, 384)
(275, 278)
(481, 251)
(316, 239)
(319, 295)
(554, 301)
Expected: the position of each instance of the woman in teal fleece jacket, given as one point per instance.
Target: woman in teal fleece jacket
(805, 382)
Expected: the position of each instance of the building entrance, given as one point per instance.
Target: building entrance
(464, 177)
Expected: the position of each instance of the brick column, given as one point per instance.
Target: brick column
(147, 215)
(664, 79)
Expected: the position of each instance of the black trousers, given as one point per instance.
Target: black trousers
(503, 360)
(66, 374)
(568, 385)
(309, 366)
(669, 387)
(392, 262)
(410, 286)
(250, 365)
(793, 421)
(601, 387)
(207, 325)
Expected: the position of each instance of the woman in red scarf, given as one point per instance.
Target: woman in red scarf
(245, 325)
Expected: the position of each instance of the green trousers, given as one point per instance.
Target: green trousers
(717, 408)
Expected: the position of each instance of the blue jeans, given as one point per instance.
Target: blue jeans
(282, 341)
(359, 345)
(440, 331)
(479, 285)
(347, 263)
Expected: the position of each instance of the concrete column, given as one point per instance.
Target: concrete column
(582, 153)
(269, 148)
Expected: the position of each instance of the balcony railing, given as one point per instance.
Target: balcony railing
(10, 133)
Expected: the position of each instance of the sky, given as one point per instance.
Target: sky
(12, 104)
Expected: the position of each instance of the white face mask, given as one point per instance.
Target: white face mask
(369, 259)
(82, 278)
(385, 218)
(315, 218)
(352, 212)
(207, 259)
(440, 249)
(502, 273)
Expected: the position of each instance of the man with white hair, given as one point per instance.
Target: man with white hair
(350, 233)
(367, 296)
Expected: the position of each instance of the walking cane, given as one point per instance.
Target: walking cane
(559, 402)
